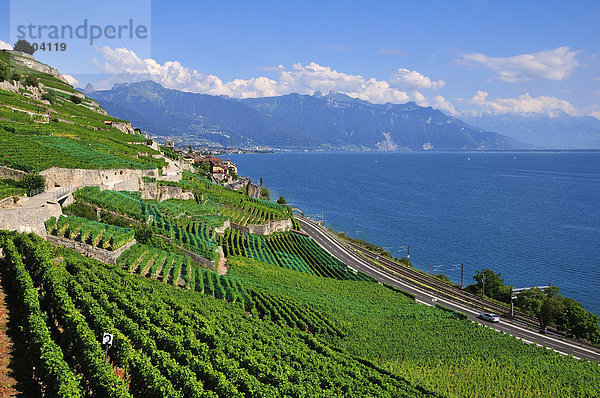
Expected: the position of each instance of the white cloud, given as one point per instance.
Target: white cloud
(5, 46)
(391, 51)
(125, 66)
(441, 103)
(406, 79)
(419, 99)
(71, 80)
(596, 79)
(554, 64)
(523, 104)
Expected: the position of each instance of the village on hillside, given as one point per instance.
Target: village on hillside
(220, 171)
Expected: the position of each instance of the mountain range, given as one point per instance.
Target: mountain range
(560, 131)
(333, 121)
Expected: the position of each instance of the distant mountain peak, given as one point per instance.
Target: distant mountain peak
(335, 120)
(560, 131)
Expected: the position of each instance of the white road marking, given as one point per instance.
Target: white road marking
(467, 310)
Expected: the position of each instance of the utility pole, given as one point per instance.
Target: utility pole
(483, 287)
(512, 304)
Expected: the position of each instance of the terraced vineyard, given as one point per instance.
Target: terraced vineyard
(289, 250)
(37, 135)
(427, 345)
(237, 207)
(177, 220)
(158, 264)
(169, 267)
(168, 342)
(127, 203)
(90, 232)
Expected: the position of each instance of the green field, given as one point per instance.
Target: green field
(424, 344)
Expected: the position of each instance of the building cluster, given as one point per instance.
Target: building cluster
(224, 171)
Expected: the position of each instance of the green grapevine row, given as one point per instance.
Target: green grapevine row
(90, 232)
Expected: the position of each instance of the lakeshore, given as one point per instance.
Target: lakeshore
(533, 218)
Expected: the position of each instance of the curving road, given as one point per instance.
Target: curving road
(357, 262)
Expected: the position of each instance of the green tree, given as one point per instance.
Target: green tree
(233, 174)
(530, 301)
(15, 77)
(579, 322)
(24, 46)
(31, 81)
(32, 182)
(552, 308)
(75, 99)
(204, 170)
(494, 285)
(4, 72)
(281, 200)
(264, 193)
(49, 96)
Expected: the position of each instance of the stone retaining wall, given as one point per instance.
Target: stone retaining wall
(7, 172)
(105, 256)
(24, 219)
(221, 230)
(57, 176)
(125, 127)
(8, 203)
(163, 192)
(193, 256)
(265, 229)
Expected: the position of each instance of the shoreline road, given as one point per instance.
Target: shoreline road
(254, 191)
(423, 295)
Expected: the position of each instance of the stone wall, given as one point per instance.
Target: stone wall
(221, 230)
(125, 127)
(106, 179)
(193, 256)
(9, 203)
(7, 172)
(24, 219)
(105, 256)
(265, 229)
(163, 192)
(200, 260)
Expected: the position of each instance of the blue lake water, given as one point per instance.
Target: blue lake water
(534, 217)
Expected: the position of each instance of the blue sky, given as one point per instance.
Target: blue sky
(468, 57)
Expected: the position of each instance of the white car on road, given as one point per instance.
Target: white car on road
(486, 316)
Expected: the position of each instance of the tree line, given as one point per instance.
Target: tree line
(548, 305)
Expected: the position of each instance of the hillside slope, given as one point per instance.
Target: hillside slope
(45, 122)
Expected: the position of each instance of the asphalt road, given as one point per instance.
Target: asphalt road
(525, 333)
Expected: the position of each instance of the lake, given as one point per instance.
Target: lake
(532, 216)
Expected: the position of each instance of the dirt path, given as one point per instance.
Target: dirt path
(7, 382)
(222, 267)
(15, 372)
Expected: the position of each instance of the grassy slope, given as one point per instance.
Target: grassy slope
(425, 344)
